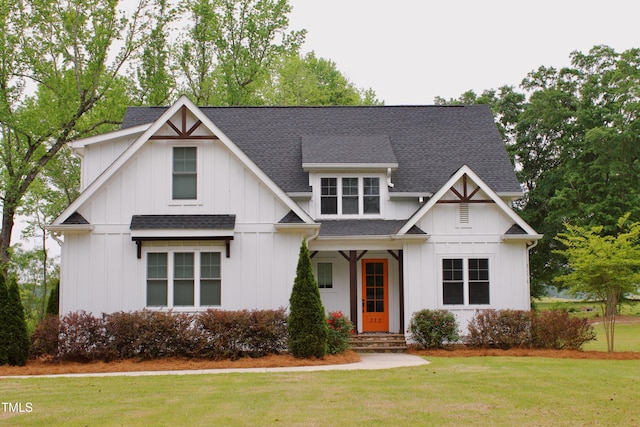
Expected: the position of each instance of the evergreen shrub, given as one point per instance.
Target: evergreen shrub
(433, 328)
(17, 339)
(307, 328)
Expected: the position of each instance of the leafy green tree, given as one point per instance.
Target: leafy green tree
(68, 51)
(307, 327)
(574, 137)
(309, 80)
(155, 80)
(16, 338)
(229, 52)
(603, 267)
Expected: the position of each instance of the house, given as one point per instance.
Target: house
(403, 208)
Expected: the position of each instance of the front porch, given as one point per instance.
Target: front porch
(366, 285)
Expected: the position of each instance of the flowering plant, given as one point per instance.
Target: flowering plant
(432, 328)
(340, 329)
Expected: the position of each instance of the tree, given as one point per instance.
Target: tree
(156, 83)
(603, 267)
(307, 327)
(574, 138)
(67, 50)
(309, 80)
(16, 338)
(228, 53)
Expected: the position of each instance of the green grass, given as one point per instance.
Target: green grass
(579, 308)
(627, 338)
(486, 391)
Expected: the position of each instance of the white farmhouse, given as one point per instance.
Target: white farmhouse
(404, 208)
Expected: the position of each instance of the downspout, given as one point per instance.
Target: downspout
(389, 183)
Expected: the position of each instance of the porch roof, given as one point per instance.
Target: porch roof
(364, 227)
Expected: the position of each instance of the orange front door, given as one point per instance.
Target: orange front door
(375, 296)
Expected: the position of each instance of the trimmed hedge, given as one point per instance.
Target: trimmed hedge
(515, 328)
(214, 334)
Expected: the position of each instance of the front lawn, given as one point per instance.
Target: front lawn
(474, 391)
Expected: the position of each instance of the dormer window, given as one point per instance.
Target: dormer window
(350, 195)
(185, 175)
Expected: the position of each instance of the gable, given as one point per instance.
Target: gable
(147, 159)
(463, 189)
(428, 142)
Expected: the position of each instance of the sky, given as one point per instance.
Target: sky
(410, 51)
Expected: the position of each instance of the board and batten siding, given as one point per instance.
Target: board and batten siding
(101, 269)
(480, 238)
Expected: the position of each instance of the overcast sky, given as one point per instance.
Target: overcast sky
(410, 51)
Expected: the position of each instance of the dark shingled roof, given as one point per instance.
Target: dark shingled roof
(291, 218)
(430, 143)
(75, 219)
(515, 229)
(347, 149)
(363, 227)
(214, 222)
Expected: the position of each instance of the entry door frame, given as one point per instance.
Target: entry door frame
(375, 321)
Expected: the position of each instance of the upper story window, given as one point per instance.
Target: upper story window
(349, 196)
(185, 175)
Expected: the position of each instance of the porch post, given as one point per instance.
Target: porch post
(401, 288)
(353, 286)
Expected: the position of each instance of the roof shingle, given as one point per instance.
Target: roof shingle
(429, 142)
(162, 222)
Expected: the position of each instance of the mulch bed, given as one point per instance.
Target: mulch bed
(45, 367)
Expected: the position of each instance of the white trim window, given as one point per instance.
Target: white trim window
(350, 195)
(184, 181)
(325, 275)
(465, 281)
(180, 278)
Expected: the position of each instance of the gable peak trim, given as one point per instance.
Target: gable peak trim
(183, 132)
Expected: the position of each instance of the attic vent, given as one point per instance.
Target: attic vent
(464, 213)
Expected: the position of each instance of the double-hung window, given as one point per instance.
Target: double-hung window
(185, 173)
(325, 275)
(465, 281)
(350, 196)
(183, 279)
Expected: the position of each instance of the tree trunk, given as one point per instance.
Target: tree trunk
(8, 221)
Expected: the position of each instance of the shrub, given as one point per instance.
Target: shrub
(340, 329)
(150, 334)
(432, 328)
(235, 334)
(307, 328)
(53, 302)
(17, 339)
(82, 338)
(556, 330)
(500, 328)
(44, 340)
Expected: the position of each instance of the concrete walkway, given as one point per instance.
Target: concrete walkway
(368, 361)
